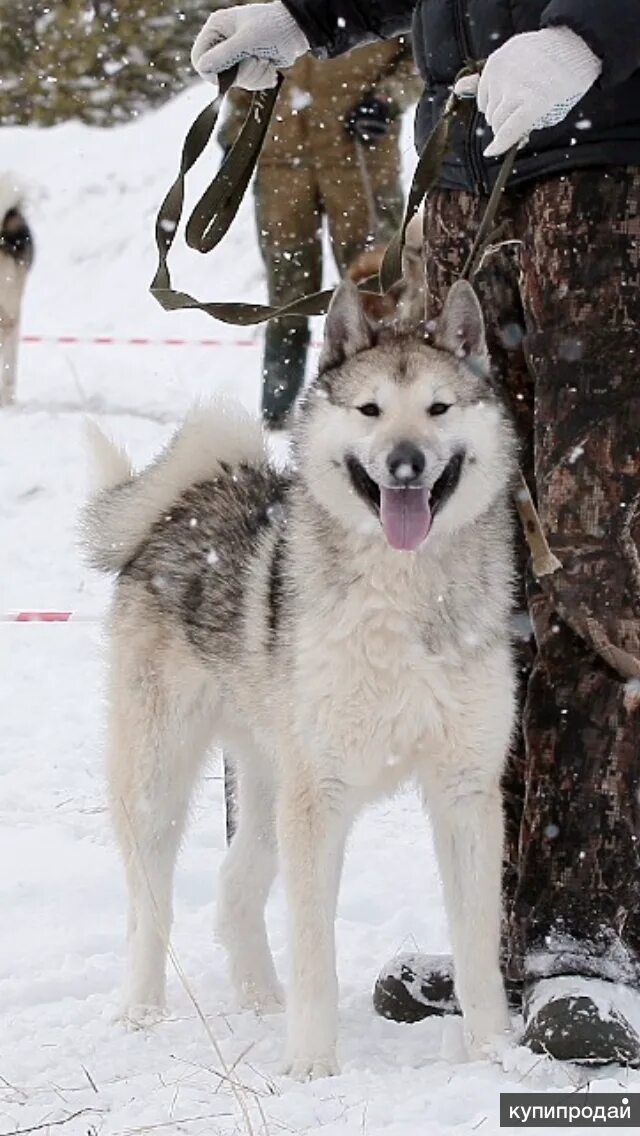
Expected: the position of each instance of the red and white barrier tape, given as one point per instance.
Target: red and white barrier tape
(40, 616)
(138, 341)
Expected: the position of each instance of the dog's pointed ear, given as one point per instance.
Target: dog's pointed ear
(460, 328)
(347, 329)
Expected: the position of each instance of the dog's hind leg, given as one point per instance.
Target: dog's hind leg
(8, 363)
(160, 729)
(245, 881)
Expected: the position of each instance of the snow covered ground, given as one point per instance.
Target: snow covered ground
(64, 1065)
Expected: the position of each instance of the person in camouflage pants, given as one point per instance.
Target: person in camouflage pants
(333, 152)
(566, 373)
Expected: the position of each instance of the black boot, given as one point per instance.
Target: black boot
(412, 987)
(582, 1019)
(285, 356)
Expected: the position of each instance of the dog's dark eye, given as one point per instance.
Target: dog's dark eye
(370, 410)
(437, 408)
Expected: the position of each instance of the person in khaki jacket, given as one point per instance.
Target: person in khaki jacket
(333, 152)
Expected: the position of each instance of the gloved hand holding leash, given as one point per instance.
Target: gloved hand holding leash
(260, 39)
(531, 82)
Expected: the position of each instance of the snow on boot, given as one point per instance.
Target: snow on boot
(588, 1020)
(412, 987)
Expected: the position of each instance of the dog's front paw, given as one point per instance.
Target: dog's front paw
(311, 1068)
(138, 1016)
(487, 1030)
(488, 1048)
(487, 1039)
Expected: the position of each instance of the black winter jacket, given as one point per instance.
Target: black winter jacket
(603, 129)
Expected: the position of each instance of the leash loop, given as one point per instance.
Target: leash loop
(217, 208)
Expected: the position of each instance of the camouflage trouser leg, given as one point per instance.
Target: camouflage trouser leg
(577, 905)
(289, 220)
(290, 204)
(573, 880)
(344, 200)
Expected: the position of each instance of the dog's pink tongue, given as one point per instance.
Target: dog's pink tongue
(405, 516)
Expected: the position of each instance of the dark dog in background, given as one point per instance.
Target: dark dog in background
(16, 258)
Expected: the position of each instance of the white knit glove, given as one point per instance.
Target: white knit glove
(261, 38)
(530, 82)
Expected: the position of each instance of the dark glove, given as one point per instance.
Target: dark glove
(369, 119)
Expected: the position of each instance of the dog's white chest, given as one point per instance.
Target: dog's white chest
(372, 694)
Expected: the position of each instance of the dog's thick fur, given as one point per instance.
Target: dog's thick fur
(16, 257)
(406, 299)
(267, 612)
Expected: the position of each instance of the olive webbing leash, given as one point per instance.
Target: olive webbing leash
(214, 213)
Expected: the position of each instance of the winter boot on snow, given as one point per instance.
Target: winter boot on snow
(412, 987)
(580, 1019)
(586, 1020)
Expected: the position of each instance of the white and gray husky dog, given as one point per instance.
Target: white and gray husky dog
(341, 628)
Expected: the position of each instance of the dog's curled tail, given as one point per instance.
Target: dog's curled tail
(124, 505)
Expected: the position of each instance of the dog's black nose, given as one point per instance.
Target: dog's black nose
(406, 463)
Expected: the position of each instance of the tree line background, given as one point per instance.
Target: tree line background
(99, 61)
